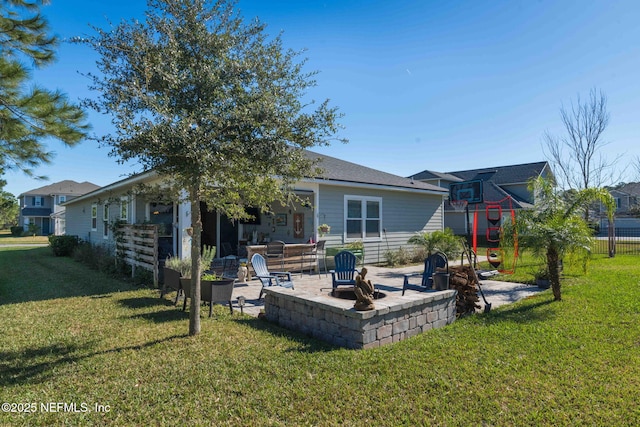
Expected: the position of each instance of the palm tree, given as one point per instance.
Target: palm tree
(555, 226)
(439, 240)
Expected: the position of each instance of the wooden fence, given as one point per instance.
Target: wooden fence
(137, 245)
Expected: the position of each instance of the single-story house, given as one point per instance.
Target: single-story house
(43, 206)
(503, 186)
(358, 203)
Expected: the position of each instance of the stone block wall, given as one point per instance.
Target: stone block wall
(333, 320)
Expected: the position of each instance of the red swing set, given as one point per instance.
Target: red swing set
(461, 195)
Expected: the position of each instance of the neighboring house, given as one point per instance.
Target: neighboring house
(627, 199)
(43, 206)
(505, 186)
(359, 203)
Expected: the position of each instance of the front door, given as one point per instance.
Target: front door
(46, 226)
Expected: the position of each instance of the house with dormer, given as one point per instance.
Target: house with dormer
(42, 207)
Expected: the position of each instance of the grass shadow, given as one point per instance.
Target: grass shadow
(143, 302)
(305, 343)
(35, 274)
(37, 364)
(527, 312)
(163, 316)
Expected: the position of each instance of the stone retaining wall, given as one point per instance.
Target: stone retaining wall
(337, 322)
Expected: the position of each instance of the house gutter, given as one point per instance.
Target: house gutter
(376, 186)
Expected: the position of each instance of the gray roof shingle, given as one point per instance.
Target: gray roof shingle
(340, 170)
(66, 187)
(513, 174)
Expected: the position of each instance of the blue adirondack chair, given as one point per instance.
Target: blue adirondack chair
(345, 271)
(274, 278)
(431, 263)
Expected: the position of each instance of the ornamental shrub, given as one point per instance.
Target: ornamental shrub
(63, 245)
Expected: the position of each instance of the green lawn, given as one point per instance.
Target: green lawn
(74, 336)
(7, 239)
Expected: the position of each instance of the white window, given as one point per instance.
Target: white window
(38, 201)
(124, 209)
(62, 199)
(363, 218)
(105, 221)
(94, 217)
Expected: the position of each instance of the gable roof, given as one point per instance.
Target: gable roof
(342, 171)
(632, 189)
(436, 175)
(501, 175)
(66, 187)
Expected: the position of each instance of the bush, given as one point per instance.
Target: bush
(403, 256)
(33, 229)
(443, 241)
(17, 231)
(63, 245)
(97, 257)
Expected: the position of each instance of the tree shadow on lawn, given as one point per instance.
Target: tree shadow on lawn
(522, 313)
(163, 316)
(305, 343)
(143, 302)
(37, 364)
(34, 274)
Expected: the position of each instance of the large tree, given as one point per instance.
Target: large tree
(9, 208)
(29, 114)
(212, 102)
(577, 156)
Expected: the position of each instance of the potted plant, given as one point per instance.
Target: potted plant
(356, 248)
(324, 229)
(176, 269)
(213, 288)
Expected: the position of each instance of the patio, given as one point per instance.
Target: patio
(388, 280)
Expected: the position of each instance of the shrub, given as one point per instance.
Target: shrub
(443, 241)
(63, 245)
(391, 257)
(402, 256)
(33, 229)
(97, 257)
(418, 255)
(17, 231)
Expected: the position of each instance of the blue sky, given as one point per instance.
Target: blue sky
(438, 85)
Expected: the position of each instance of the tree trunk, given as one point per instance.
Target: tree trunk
(554, 272)
(612, 239)
(196, 225)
